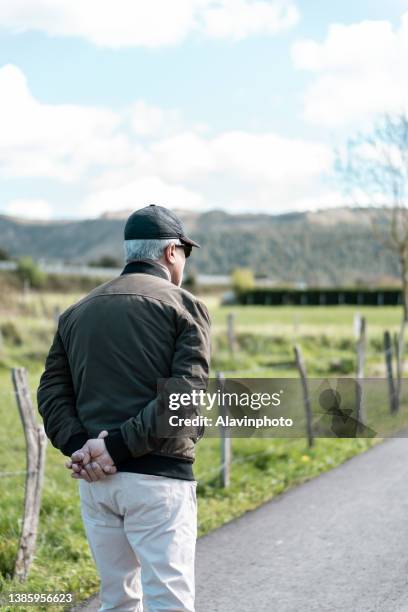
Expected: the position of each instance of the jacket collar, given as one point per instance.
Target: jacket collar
(146, 266)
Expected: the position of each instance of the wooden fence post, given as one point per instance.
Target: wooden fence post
(232, 342)
(356, 324)
(26, 289)
(226, 451)
(44, 307)
(399, 341)
(361, 348)
(390, 375)
(57, 314)
(306, 397)
(36, 443)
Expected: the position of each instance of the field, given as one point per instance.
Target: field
(261, 468)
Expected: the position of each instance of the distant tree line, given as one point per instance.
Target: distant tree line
(321, 297)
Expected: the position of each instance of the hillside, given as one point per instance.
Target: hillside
(334, 246)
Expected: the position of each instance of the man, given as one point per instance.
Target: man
(100, 404)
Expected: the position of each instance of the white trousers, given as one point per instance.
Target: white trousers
(142, 533)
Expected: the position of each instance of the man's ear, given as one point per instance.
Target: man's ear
(169, 253)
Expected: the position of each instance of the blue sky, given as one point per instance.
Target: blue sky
(234, 104)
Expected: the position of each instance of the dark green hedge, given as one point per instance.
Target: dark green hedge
(321, 297)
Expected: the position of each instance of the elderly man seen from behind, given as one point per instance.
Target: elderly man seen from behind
(100, 405)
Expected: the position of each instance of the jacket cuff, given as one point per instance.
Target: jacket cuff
(74, 443)
(116, 447)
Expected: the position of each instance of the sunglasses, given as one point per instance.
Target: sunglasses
(187, 249)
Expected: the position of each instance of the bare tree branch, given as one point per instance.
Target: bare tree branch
(376, 167)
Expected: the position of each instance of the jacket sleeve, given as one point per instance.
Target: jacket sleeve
(190, 370)
(56, 401)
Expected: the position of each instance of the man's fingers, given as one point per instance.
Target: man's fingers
(75, 467)
(91, 471)
(88, 469)
(84, 474)
(81, 456)
(77, 456)
(98, 470)
(81, 476)
(110, 469)
(103, 434)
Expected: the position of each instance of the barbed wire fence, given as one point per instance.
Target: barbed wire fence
(392, 350)
(36, 440)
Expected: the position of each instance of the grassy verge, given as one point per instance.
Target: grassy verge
(261, 470)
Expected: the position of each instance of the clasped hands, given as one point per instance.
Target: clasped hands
(92, 462)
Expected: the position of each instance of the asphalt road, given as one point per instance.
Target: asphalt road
(336, 543)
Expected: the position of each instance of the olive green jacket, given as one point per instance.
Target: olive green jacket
(109, 352)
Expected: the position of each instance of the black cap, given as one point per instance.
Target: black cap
(156, 222)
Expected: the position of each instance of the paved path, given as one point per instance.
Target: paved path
(336, 543)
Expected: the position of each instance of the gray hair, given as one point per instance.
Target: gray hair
(146, 248)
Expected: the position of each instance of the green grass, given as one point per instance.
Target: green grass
(261, 468)
(296, 321)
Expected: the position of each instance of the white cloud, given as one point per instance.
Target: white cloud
(183, 156)
(319, 201)
(149, 120)
(258, 157)
(117, 167)
(270, 158)
(239, 19)
(128, 23)
(58, 141)
(29, 208)
(360, 71)
(110, 23)
(138, 193)
(235, 170)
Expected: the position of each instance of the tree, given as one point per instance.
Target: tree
(242, 279)
(3, 255)
(105, 261)
(28, 271)
(190, 281)
(374, 170)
